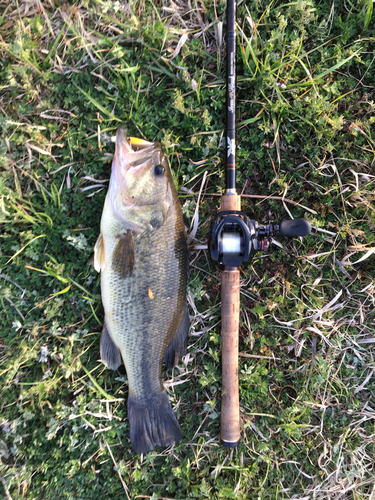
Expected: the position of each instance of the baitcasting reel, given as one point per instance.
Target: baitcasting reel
(234, 238)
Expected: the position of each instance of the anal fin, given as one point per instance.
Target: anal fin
(178, 343)
(109, 353)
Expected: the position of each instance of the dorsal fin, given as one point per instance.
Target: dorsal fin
(99, 257)
(123, 256)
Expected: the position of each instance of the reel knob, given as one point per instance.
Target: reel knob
(296, 227)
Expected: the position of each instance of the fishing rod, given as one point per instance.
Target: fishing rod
(233, 241)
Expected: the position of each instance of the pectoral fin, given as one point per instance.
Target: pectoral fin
(123, 256)
(109, 353)
(99, 257)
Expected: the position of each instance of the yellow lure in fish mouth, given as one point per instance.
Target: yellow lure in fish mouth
(132, 142)
(139, 143)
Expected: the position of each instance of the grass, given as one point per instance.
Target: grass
(70, 73)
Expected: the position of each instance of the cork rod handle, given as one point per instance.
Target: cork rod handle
(230, 313)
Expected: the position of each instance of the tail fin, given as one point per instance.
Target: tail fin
(152, 424)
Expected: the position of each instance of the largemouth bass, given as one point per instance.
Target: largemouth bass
(142, 255)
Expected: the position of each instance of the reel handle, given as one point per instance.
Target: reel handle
(230, 317)
(296, 227)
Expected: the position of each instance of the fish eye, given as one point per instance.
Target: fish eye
(159, 170)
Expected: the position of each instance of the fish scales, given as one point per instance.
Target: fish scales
(142, 255)
(160, 270)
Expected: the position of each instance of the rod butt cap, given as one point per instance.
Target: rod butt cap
(230, 444)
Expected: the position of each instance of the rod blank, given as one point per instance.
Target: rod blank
(231, 97)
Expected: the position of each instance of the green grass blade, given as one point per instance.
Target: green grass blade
(98, 105)
(23, 248)
(336, 66)
(97, 386)
(54, 47)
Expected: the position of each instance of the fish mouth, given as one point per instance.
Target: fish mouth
(132, 151)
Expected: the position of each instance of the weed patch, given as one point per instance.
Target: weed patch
(70, 74)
